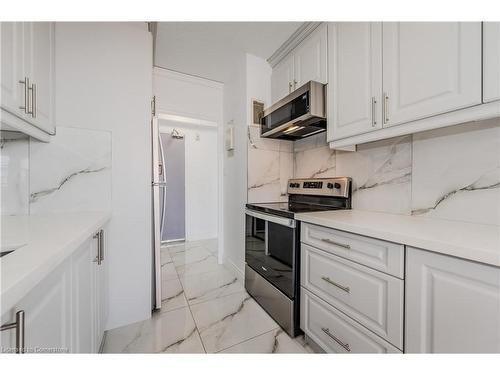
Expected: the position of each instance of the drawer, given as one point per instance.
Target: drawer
(370, 297)
(336, 332)
(381, 255)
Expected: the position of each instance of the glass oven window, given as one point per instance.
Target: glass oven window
(269, 250)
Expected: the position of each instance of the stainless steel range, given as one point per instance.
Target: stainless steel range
(272, 246)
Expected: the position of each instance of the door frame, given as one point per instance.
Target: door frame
(197, 122)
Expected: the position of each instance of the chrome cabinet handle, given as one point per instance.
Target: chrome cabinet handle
(342, 344)
(290, 84)
(18, 325)
(100, 247)
(374, 118)
(33, 100)
(26, 83)
(386, 108)
(330, 281)
(101, 240)
(294, 84)
(332, 242)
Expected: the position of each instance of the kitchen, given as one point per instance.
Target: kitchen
(304, 187)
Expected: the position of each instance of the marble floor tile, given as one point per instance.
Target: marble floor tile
(190, 256)
(275, 341)
(170, 332)
(210, 285)
(229, 320)
(172, 295)
(168, 272)
(165, 257)
(207, 264)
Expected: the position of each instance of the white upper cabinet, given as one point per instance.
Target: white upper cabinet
(355, 78)
(28, 77)
(40, 49)
(12, 65)
(452, 305)
(430, 68)
(282, 78)
(306, 62)
(491, 61)
(310, 58)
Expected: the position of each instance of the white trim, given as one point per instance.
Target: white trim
(172, 74)
(235, 269)
(293, 41)
(186, 120)
(14, 123)
(475, 113)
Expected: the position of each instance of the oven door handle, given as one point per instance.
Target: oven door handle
(290, 223)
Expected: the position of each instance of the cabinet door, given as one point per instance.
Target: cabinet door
(83, 297)
(355, 78)
(39, 58)
(12, 66)
(282, 79)
(99, 298)
(310, 58)
(430, 68)
(47, 310)
(491, 61)
(452, 305)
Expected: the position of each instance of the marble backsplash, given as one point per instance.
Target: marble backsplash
(270, 165)
(71, 173)
(451, 173)
(14, 160)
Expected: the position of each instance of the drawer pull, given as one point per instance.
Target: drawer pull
(332, 242)
(344, 288)
(330, 335)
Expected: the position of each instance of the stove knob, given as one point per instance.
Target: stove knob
(291, 185)
(337, 185)
(329, 185)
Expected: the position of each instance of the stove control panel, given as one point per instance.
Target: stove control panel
(332, 187)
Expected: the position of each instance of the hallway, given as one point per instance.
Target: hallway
(205, 309)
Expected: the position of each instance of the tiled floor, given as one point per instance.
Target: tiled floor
(205, 309)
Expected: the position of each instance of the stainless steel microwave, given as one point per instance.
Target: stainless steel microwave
(298, 115)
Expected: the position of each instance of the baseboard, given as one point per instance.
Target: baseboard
(240, 273)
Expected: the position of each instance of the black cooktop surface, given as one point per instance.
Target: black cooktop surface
(288, 209)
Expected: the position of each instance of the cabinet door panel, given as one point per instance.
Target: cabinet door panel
(48, 313)
(355, 78)
(452, 305)
(12, 66)
(282, 79)
(430, 68)
(310, 58)
(40, 42)
(83, 299)
(491, 61)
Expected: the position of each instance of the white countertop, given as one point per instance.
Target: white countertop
(478, 242)
(47, 241)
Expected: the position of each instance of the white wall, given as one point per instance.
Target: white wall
(103, 81)
(199, 103)
(200, 144)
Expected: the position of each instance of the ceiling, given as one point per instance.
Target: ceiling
(258, 38)
(208, 49)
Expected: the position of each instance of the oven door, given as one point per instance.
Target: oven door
(271, 249)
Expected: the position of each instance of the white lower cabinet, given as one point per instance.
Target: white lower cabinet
(372, 298)
(334, 331)
(452, 305)
(47, 310)
(65, 311)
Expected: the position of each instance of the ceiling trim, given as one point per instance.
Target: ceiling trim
(293, 41)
